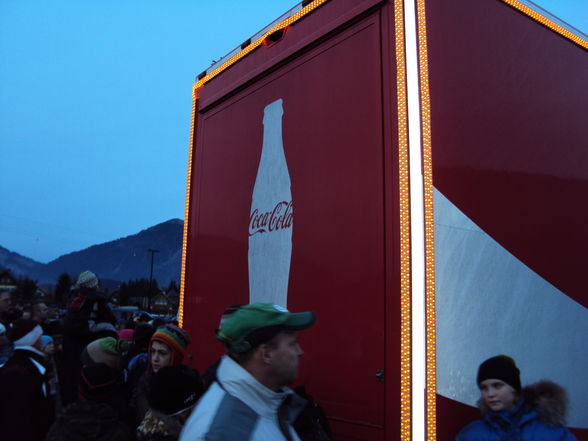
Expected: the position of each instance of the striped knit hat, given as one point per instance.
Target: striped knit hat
(175, 338)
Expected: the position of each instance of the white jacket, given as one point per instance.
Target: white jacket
(237, 407)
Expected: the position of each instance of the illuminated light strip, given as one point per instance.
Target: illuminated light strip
(403, 181)
(430, 316)
(283, 24)
(537, 16)
(417, 222)
(254, 45)
(187, 211)
(209, 76)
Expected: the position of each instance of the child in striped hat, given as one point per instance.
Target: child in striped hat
(167, 347)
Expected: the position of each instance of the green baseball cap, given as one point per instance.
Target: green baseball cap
(241, 330)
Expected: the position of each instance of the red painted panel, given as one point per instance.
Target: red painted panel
(309, 29)
(453, 416)
(508, 108)
(392, 216)
(333, 142)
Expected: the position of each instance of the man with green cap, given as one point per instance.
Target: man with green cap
(250, 399)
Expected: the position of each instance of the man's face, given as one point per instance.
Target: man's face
(41, 311)
(4, 301)
(285, 355)
(497, 394)
(49, 349)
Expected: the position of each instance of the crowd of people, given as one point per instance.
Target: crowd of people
(87, 377)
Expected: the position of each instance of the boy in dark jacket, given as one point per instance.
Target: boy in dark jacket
(509, 412)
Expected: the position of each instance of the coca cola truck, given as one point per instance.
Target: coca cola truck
(416, 173)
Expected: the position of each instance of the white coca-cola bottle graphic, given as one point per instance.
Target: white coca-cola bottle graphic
(271, 217)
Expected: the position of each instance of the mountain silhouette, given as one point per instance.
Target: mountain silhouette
(119, 260)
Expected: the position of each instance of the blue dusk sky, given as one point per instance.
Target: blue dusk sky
(95, 102)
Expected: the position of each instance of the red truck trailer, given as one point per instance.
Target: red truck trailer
(413, 172)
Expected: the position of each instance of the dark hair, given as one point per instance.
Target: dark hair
(265, 335)
(143, 334)
(158, 322)
(231, 309)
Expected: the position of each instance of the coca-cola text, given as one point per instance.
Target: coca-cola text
(279, 218)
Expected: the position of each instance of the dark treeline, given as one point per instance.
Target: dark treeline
(26, 291)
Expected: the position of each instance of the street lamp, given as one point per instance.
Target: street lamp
(151, 270)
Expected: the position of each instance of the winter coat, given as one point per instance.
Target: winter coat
(538, 416)
(157, 426)
(139, 390)
(311, 424)
(238, 407)
(25, 409)
(77, 335)
(86, 421)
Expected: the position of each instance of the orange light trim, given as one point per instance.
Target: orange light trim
(283, 24)
(430, 317)
(255, 44)
(537, 16)
(405, 271)
(187, 213)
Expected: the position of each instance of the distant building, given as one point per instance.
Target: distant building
(160, 304)
(7, 281)
(174, 298)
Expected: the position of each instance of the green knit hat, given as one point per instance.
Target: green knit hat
(243, 330)
(107, 350)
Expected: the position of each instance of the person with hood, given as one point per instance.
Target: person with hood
(512, 413)
(94, 416)
(166, 348)
(26, 412)
(89, 311)
(107, 350)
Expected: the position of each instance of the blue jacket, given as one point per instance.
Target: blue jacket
(538, 416)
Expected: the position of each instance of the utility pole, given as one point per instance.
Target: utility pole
(151, 270)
